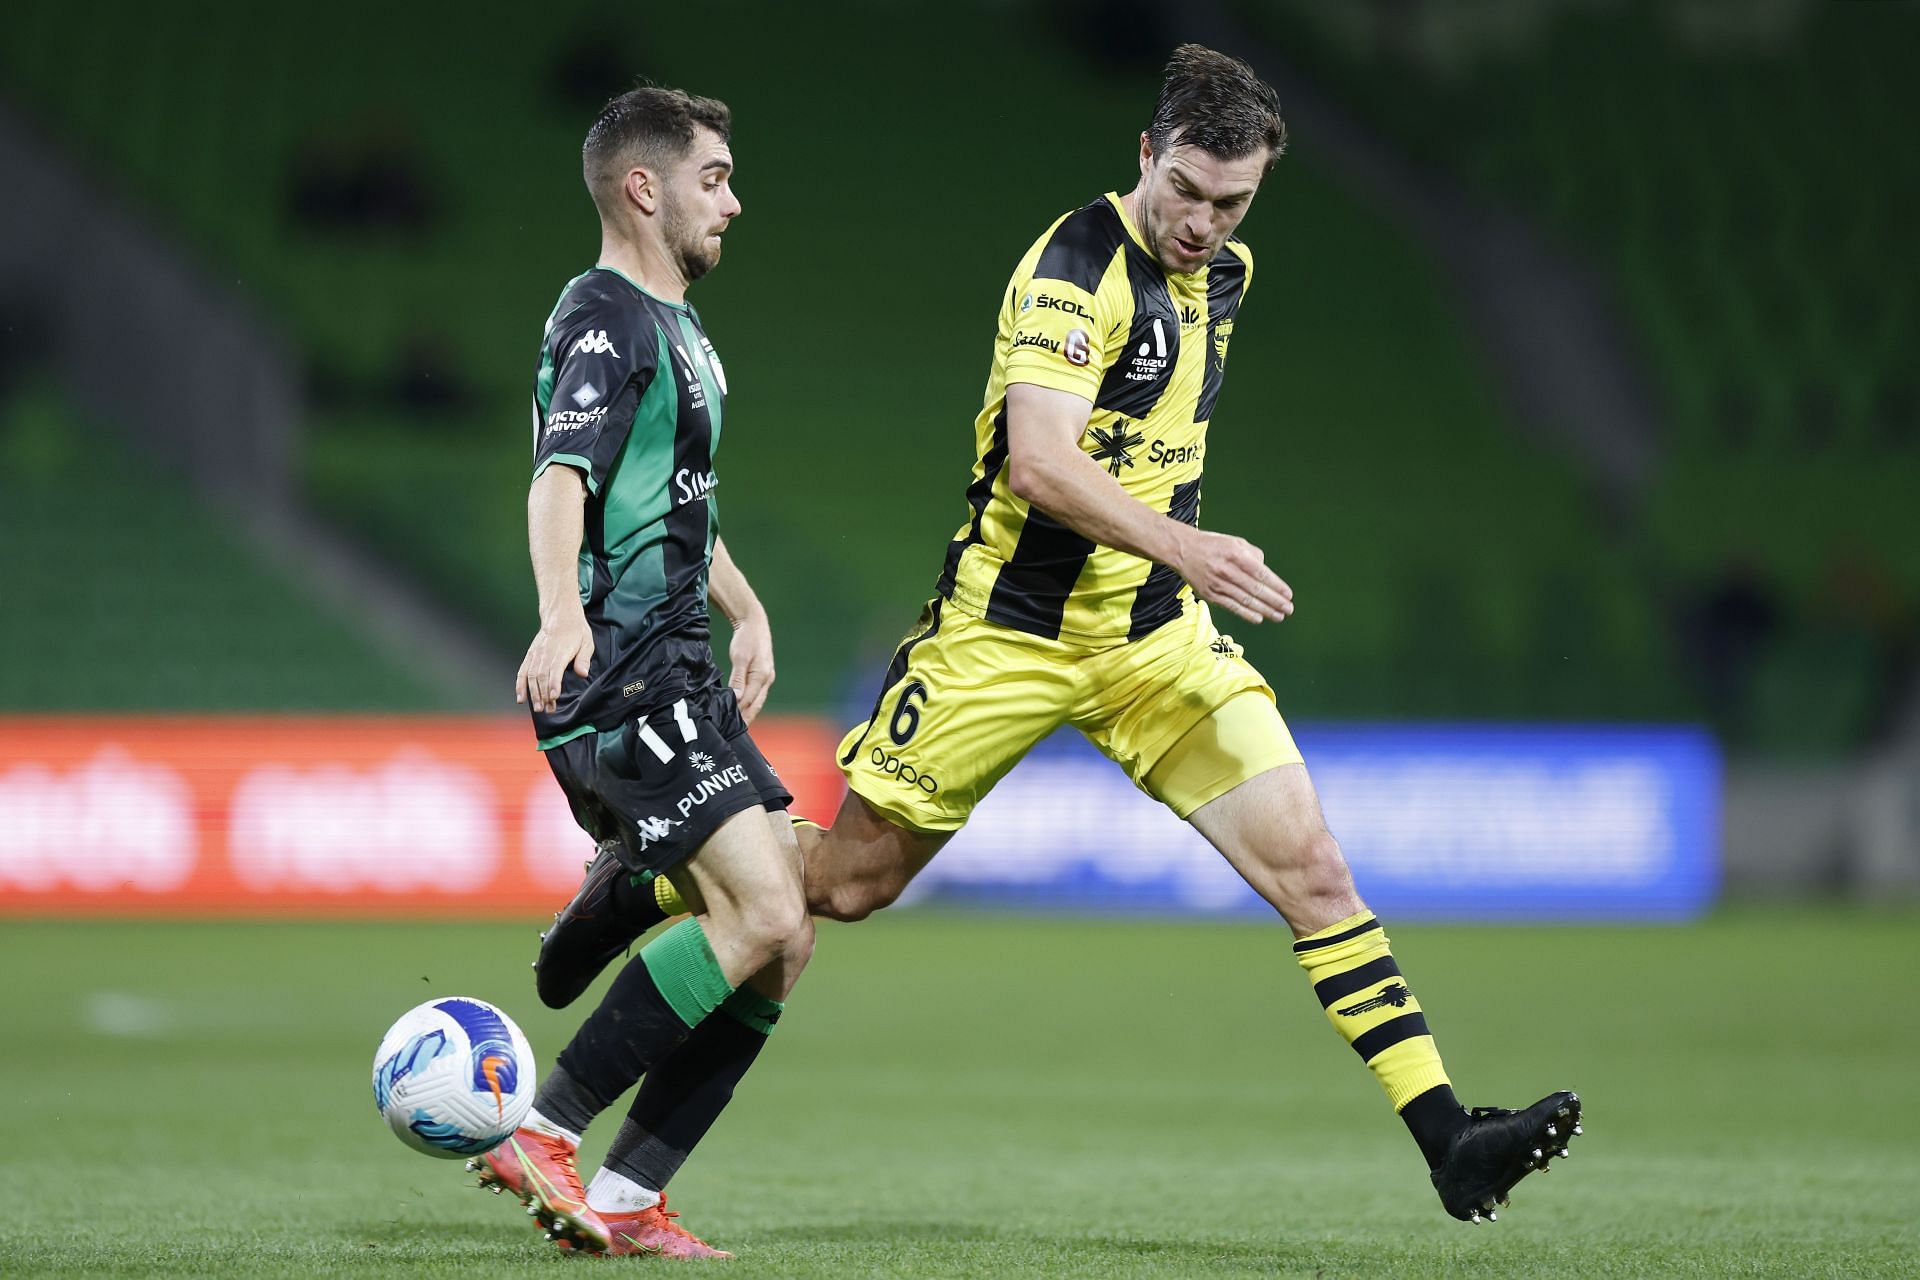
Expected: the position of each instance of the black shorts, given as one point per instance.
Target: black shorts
(663, 781)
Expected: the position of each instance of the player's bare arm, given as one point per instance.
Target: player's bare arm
(1047, 467)
(750, 655)
(555, 506)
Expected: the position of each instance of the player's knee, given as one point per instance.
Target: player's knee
(856, 899)
(776, 929)
(798, 948)
(1321, 870)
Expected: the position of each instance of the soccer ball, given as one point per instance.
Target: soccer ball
(453, 1077)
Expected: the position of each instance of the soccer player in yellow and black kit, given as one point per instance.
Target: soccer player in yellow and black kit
(1077, 592)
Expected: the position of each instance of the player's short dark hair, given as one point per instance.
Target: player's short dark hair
(651, 126)
(1214, 101)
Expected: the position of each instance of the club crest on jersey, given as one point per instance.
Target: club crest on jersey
(594, 342)
(1222, 333)
(713, 363)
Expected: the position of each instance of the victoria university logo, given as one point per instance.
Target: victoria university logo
(1396, 995)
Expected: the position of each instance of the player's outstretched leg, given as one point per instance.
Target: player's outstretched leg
(606, 916)
(1475, 1159)
(1270, 828)
(753, 925)
(676, 1105)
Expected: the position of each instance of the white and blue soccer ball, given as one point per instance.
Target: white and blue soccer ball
(454, 1077)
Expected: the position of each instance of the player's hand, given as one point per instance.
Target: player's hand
(751, 657)
(1232, 573)
(567, 642)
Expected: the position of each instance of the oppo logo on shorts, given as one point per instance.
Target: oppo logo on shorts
(894, 765)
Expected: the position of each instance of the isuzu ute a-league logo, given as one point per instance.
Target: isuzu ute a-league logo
(1150, 358)
(1396, 995)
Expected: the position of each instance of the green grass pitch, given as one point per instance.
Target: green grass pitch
(954, 1095)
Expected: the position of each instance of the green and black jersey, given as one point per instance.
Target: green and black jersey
(630, 393)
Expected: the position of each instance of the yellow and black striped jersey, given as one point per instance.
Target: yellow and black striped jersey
(1089, 310)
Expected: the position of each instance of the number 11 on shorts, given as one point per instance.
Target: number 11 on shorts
(658, 745)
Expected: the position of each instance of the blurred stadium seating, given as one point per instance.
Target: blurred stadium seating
(1733, 171)
(854, 310)
(123, 593)
(410, 233)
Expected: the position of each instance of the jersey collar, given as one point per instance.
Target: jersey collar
(615, 271)
(1133, 232)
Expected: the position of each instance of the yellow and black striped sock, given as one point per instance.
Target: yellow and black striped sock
(1369, 1003)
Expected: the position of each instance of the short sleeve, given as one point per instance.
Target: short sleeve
(602, 358)
(1061, 336)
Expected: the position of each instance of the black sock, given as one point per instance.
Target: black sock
(632, 1028)
(686, 1093)
(562, 1100)
(1433, 1118)
(634, 901)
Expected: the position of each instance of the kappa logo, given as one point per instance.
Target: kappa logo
(586, 395)
(651, 830)
(1396, 995)
(1114, 447)
(594, 342)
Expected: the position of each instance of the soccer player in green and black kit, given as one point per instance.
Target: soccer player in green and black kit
(649, 745)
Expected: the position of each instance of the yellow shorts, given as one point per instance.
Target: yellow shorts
(965, 699)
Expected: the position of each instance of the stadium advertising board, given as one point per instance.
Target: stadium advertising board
(458, 815)
(306, 815)
(1465, 822)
